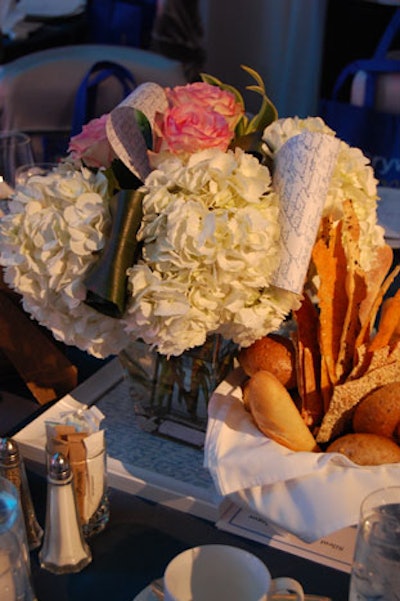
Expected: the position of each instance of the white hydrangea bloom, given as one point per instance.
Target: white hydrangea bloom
(209, 235)
(352, 178)
(55, 225)
(210, 245)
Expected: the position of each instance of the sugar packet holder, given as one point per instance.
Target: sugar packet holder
(78, 436)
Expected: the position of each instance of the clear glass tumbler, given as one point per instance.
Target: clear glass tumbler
(15, 150)
(15, 574)
(24, 172)
(91, 490)
(376, 564)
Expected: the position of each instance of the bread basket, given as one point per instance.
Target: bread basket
(310, 495)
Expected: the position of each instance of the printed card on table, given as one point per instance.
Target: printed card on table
(335, 551)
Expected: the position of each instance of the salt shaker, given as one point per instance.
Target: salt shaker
(64, 549)
(12, 467)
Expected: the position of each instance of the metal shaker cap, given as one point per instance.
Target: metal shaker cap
(59, 467)
(9, 452)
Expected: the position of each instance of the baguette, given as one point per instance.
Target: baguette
(275, 413)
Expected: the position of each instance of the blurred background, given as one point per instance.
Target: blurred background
(297, 46)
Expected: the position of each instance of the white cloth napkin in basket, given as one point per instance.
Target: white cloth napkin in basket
(309, 495)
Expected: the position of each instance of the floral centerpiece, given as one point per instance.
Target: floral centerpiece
(164, 223)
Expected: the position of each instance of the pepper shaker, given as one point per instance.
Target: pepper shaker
(12, 467)
(64, 548)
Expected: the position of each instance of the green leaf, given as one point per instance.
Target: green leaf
(246, 126)
(254, 75)
(242, 126)
(267, 113)
(145, 128)
(256, 89)
(214, 81)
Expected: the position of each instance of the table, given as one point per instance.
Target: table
(139, 541)
(141, 538)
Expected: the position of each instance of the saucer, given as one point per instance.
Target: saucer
(146, 595)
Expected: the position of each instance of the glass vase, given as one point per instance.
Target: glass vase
(170, 395)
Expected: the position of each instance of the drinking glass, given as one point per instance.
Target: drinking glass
(376, 564)
(15, 576)
(15, 150)
(90, 484)
(24, 172)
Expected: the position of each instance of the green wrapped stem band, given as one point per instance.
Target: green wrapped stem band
(106, 283)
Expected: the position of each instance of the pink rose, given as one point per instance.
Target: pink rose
(92, 145)
(208, 97)
(189, 128)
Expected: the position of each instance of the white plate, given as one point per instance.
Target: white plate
(146, 595)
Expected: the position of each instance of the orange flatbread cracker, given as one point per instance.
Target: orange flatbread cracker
(388, 323)
(356, 290)
(331, 265)
(367, 361)
(312, 400)
(396, 333)
(325, 385)
(374, 278)
(366, 329)
(308, 362)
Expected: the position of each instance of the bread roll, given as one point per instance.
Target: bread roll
(366, 449)
(275, 413)
(273, 353)
(379, 412)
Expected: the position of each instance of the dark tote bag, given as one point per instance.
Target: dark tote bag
(376, 133)
(86, 96)
(55, 146)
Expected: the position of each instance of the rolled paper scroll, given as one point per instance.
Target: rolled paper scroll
(106, 283)
(302, 173)
(125, 127)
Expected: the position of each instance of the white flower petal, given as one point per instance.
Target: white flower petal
(47, 246)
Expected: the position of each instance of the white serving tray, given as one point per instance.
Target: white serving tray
(140, 463)
(168, 472)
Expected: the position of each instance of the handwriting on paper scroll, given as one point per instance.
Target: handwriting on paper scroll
(124, 132)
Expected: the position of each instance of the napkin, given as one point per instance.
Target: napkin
(309, 495)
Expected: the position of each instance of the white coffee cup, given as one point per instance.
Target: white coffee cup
(222, 573)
